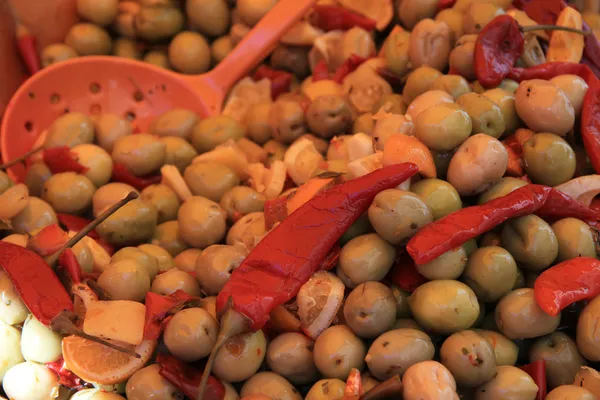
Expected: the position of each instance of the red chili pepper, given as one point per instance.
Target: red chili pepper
(65, 377)
(591, 50)
(595, 205)
(537, 371)
(69, 261)
(186, 378)
(349, 66)
(275, 211)
(27, 44)
(321, 71)
(48, 241)
(75, 223)
(122, 174)
(331, 260)
(455, 229)
(157, 311)
(331, 18)
(354, 387)
(443, 4)
(61, 159)
(35, 282)
(515, 163)
(497, 48)
(590, 125)
(404, 273)
(550, 70)
(283, 261)
(289, 182)
(281, 81)
(566, 283)
(525, 178)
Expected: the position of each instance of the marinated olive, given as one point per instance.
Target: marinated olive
(191, 334)
(337, 350)
(568, 392)
(491, 272)
(419, 81)
(148, 261)
(156, 23)
(439, 195)
(248, 230)
(209, 17)
(176, 122)
(370, 309)
(164, 199)
(109, 128)
(241, 200)
(241, 357)
(462, 55)
(125, 280)
(430, 44)
(366, 258)
(186, 260)
(36, 215)
(428, 380)
(574, 88)
(68, 192)
(287, 120)
(213, 131)
(326, 389)
(505, 100)
(328, 116)
(503, 187)
(548, 159)
(142, 154)
(443, 127)
(469, 357)
(88, 40)
(561, 357)
(70, 130)
(98, 162)
(148, 384)
(189, 53)
(587, 339)
(167, 236)
(486, 115)
(210, 180)
(257, 123)
(215, 264)
(531, 241)
(508, 383)
(290, 355)
(270, 384)
(455, 85)
(133, 223)
(505, 349)
(575, 239)
(202, 222)
(55, 53)
(449, 265)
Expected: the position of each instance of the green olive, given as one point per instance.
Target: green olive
(176, 122)
(191, 334)
(505, 100)
(478, 15)
(455, 85)
(36, 215)
(108, 195)
(98, 162)
(174, 280)
(189, 53)
(167, 236)
(531, 241)
(158, 58)
(145, 384)
(291, 58)
(287, 120)
(55, 53)
(402, 307)
(519, 317)
(328, 116)
(148, 261)
(561, 357)
(37, 175)
(411, 12)
(574, 88)
(156, 23)
(419, 81)
(505, 349)
(186, 260)
(570, 392)
(133, 223)
(439, 195)
(202, 222)
(502, 188)
(210, 179)
(70, 130)
(508, 383)
(364, 123)
(548, 159)
(490, 239)
(247, 230)
(491, 272)
(391, 103)
(470, 246)
(366, 258)
(125, 280)
(211, 17)
(444, 306)
(126, 48)
(469, 357)
(449, 265)
(98, 12)
(109, 128)
(240, 357)
(213, 131)
(241, 200)
(443, 127)
(396, 350)
(271, 386)
(257, 124)
(142, 154)
(587, 327)
(455, 21)
(461, 57)
(338, 148)
(370, 309)
(88, 40)
(395, 51)
(178, 152)
(220, 48)
(575, 239)
(164, 199)
(337, 350)
(163, 258)
(397, 215)
(485, 114)
(361, 226)
(290, 355)
(215, 264)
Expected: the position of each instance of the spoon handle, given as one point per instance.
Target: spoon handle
(259, 42)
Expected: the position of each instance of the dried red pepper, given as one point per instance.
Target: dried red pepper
(537, 371)
(321, 71)
(332, 258)
(275, 211)
(122, 174)
(48, 241)
(61, 159)
(65, 377)
(69, 261)
(590, 125)
(158, 311)
(187, 379)
(404, 273)
(75, 223)
(281, 81)
(349, 66)
(331, 18)
(550, 70)
(443, 4)
(27, 45)
(566, 283)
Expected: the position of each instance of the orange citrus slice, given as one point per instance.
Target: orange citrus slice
(319, 300)
(96, 363)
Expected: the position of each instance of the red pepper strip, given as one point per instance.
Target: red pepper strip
(65, 377)
(497, 48)
(443, 4)
(331, 260)
(595, 205)
(590, 125)
(537, 371)
(27, 45)
(275, 211)
(515, 163)
(48, 241)
(61, 159)
(122, 174)
(591, 50)
(68, 260)
(75, 224)
(186, 378)
(560, 205)
(331, 18)
(349, 66)
(321, 71)
(543, 12)
(281, 81)
(287, 257)
(566, 283)
(550, 70)
(157, 308)
(404, 273)
(36, 283)
(354, 387)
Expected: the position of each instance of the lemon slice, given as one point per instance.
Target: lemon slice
(319, 300)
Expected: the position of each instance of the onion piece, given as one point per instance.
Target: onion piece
(244, 95)
(228, 154)
(301, 34)
(359, 145)
(365, 165)
(582, 189)
(319, 300)
(172, 178)
(302, 160)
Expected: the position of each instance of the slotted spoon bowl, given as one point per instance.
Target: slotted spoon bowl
(133, 89)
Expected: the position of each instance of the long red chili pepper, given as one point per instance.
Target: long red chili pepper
(550, 70)
(404, 273)
(61, 159)
(68, 260)
(275, 211)
(332, 258)
(187, 379)
(65, 376)
(566, 283)
(75, 223)
(48, 241)
(537, 371)
(27, 45)
(590, 125)
(122, 174)
(157, 311)
(443, 4)
(35, 282)
(331, 18)
(349, 66)
(321, 71)
(278, 266)
(455, 229)
(281, 81)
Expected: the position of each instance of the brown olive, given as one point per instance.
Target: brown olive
(337, 350)
(291, 58)
(370, 309)
(561, 357)
(290, 355)
(328, 116)
(287, 120)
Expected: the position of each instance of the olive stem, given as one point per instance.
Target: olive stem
(232, 323)
(554, 28)
(389, 389)
(21, 158)
(53, 259)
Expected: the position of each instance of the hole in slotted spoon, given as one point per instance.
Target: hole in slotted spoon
(94, 87)
(54, 98)
(67, 110)
(95, 109)
(28, 126)
(31, 95)
(138, 96)
(130, 115)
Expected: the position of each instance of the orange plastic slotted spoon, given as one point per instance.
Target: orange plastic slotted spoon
(133, 89)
